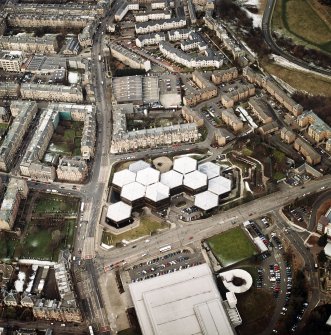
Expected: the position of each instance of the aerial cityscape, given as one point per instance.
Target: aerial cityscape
(165, 167)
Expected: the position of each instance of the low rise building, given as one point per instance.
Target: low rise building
(231, 119)
(235, 93)
(128, 57)
(152, 15)
(311, 156)
(30, 44)
(16, 132)
(287, 135)
(160, 25)
(11, 61)
(268, 128)
(222, 136)
(124, 8)
(190, 115)
(17, 189)
(72, 169)
(119, 214)
(223, 76)
(261, 109)
(49, 92)
(178, 34)
(150, 39)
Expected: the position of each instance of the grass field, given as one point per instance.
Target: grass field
(301, 81)
(147, 226)
(232, 246)
(7, 245)
(304, 22)
(50, 203)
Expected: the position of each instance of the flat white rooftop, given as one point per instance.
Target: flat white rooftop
(157, 192)
(185, 164)
(195, 180)
(119, 211)
(172, 179)
(138, 165)
(212, 170)
(148, 176)
(133, 191)
(180, 303)
(123, 177)
(220, 185)
(206, 200)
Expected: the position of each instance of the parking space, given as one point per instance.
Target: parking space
(167, 263)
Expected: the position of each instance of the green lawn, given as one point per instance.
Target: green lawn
(51, 203)
(7, 245)
(232, 246)
(148, 225)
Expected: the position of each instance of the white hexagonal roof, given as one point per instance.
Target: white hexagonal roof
(172, 179)
(185, 164)
(195, 180)
(133, 191)
(206, 200)
(119, 211)
(138, 165)
(220, 185)
(212, 170)
(123, 177)
(148, 176)
(157, 192)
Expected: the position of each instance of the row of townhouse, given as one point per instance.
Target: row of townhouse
(3, 24)
(237, 93)
(194, 41)
(223, 76)
(9, 89)
(179, 34)
(206, 91)
(154, 137)
(46, 45)
(311, 156)
(209, 59)
(159, 25)
(48, 20)
(150, 39)
(260, 109)
(85, 38)
(128, 57)
(72, 169)
(16, 133)
(191, 115)
(124, 9)
(156, 4)
(17, 189)
(152, 15)
(273, 89)
(231, 119)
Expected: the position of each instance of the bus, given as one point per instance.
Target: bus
(82, 205)
(91, 330)
(165, 248)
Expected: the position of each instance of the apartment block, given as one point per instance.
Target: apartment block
(124, 8)
(260, 109)
(150, 39)
(152, 15)
(287, 135)
(178, 34)
(30, 44)
(237, 93)
(17, 189)
(230, 118)
(159, 25)
(222, 136)
(9, 89)
(311, 156)
(50, 92)
(223, 76)
(268, 128)
(128, 57)
(15, 134)
(11, 61)
(86, 36)
(190, 115)
(72, 169)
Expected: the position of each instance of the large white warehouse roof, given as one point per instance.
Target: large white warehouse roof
(206, 200)
(185, 165)
(138, 165)
(133, 191)
(148, 176)
(180, 303)
(212, 170)
(119, 211)
(172, 179)
(195, 180)
(157, 192)
(219, 185)
(123, 177)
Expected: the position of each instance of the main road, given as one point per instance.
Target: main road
(267, 32)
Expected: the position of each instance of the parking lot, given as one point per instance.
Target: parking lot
(163, 264)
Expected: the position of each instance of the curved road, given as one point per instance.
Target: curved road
(266, 29)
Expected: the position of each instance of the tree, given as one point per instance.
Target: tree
(323, 240)
(322, 257)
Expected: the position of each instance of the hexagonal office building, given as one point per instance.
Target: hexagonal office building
(185, 165)
(148, 176)
(133, 194)
(157, 195)
(195, 182)
(212, 170)
(174, 180)
(119, 214)
(221, 186)
(138, 165)
(206, 200)
(122, 178)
